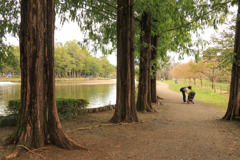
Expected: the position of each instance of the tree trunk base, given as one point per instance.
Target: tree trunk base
(151, 109)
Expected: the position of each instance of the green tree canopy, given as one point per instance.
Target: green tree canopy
(71, 57)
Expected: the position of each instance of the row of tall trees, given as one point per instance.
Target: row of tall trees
(119, 22)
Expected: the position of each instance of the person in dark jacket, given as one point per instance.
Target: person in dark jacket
(184, 90)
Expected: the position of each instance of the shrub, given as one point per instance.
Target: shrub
(67, 109)
(9, 120)
(13, 106)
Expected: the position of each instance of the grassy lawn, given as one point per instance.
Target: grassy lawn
(65, 79)
(204, 95)
(221, 88)
(9, 79)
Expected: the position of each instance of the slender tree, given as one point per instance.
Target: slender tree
(154, 53)
(144, 69)
(38, 121)
(125, 108)
(233, 111)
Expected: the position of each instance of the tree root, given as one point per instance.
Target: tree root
(158, 101)
(19, 149)
(101, 125)
(85, 128)
(151, 109)
(32, 151)
(160, 98)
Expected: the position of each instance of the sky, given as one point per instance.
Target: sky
(70, 31)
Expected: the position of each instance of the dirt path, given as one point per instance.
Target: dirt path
(178, 131)
(196, 131)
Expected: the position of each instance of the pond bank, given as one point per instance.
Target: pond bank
(97, 92)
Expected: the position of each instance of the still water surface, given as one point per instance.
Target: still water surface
(96, 94)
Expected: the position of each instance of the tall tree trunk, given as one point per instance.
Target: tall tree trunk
(132, 63)
(149, 83)
(154, 69)
(233, 111)
(38, 121)
(143, 103)
(125, 106)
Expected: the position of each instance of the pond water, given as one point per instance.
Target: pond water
(96, 94)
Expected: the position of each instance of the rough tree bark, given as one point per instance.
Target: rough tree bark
(38, 121)
(125, 105)
(233, 111)
(132, 63)
(154, 69)
(143, 100)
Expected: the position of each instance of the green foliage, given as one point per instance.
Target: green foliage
(10, 59)
(220, 56)
(96, 18)
(172, 21)
(17, 76)
(9, 24)
(9, 120)
(164, 66)
(13, 106)
(71, 57)
(222, 50)
(67, 109)
(9, 17)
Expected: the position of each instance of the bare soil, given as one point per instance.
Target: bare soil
(179, 131)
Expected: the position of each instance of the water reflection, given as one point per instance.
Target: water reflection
(98, 94)
(8, 91)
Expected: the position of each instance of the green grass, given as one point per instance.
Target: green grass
(221, 88)
(204, 95)
(70, 79)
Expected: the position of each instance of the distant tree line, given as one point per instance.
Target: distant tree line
(70, 61)
(73, 61)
